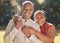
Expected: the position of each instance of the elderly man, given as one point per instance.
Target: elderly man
(13, 32)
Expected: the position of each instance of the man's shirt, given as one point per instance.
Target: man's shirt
(13, 35)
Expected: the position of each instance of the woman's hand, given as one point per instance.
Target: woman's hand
(31, 30)
(26, 31)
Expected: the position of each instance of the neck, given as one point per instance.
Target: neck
(25, 18)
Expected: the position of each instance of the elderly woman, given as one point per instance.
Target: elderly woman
(48, 30)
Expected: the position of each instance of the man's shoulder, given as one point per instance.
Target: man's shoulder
(36, 26)
(11, 20)
(33, 22)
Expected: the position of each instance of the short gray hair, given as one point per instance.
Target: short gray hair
(40, 11)
(25, 2)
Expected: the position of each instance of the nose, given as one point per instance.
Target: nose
(27, 10)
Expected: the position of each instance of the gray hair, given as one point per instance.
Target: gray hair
(40, 11)
(25, 2)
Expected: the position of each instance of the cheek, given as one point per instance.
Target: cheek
(42, 21)
(24, 14)
(24, 11)
(36, 20)
(30, 13)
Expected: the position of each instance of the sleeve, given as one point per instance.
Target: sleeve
(10, 33)
(36, 26)
(9, 26)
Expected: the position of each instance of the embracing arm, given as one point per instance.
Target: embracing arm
(25, 30)
(49, 38)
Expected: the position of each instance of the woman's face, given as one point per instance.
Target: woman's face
(40, 18)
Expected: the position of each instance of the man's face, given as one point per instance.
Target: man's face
(40, 19)
(27, 10)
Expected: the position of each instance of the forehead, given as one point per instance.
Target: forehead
(39, 14)
(28, 5)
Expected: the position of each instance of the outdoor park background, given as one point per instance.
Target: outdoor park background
(10, 7)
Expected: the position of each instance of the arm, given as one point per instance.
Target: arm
(49, 38)
(32, 37)
(10, 33)
(8, 38)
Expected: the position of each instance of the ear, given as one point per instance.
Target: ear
(21, 10)
(33, 9)
(45, 18)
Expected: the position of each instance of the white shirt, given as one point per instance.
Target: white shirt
(33, 38)
(12, 35)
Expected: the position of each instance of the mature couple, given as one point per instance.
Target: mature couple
(22, 29)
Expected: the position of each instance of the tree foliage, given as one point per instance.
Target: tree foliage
(8, 9)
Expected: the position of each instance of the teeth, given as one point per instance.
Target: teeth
(27, 14)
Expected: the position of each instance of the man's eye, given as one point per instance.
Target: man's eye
(30, 10)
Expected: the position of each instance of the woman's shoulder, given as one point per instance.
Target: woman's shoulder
(51, 26)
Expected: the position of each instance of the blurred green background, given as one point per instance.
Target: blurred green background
(10, 7)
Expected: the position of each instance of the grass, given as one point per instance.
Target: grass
(57, 39)
(1, 36)
(2, 31)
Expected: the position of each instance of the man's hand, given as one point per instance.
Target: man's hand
(15, 19)
(18, 23)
